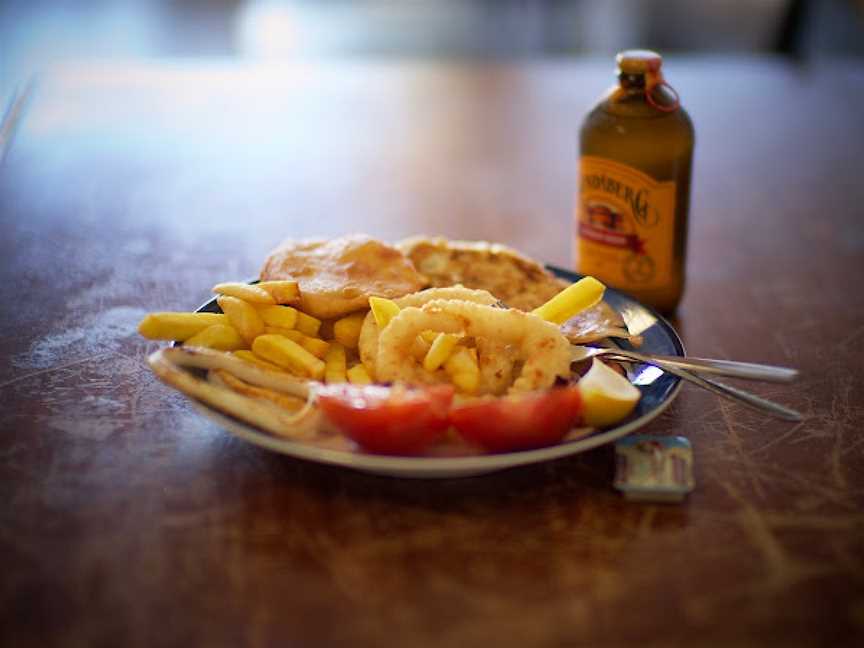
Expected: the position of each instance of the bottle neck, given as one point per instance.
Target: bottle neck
(646, 88)
(631, 81)
(630, 90)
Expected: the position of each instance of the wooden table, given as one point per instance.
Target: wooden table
(128, 520)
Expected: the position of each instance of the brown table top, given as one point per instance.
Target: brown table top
(128, 519)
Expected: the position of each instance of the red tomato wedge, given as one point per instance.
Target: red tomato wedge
(388, 420)
(519, 422)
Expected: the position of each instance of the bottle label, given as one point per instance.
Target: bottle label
(625, 224)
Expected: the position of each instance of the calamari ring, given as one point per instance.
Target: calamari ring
(497, 363)
(368, 342)
(545, 352)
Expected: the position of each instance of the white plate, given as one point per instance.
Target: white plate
(658, 391)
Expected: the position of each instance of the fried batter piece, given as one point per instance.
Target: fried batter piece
(338, 276)
(226, 379)
(597, 323)
(495, 360)
(539, 345)
(512, 277)
(518, 281)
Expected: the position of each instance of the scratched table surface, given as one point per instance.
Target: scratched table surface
(129, 520)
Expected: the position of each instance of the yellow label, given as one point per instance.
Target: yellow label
(625, 225)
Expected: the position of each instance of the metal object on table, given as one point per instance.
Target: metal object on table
(731, 368)
(721, 389)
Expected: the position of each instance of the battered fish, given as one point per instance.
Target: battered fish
(517, 280)
(513, 278)
(338, 276)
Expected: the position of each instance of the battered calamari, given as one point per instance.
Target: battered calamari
(539, 345)
(495, 360)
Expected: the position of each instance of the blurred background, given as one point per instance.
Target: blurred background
(36, 33)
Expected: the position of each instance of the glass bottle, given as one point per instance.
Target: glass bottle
(636, 151)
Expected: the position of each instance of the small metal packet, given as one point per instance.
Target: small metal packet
(654, 468)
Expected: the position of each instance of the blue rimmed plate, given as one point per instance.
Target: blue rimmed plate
(658, 391)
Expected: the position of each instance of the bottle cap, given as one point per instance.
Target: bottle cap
(638, 61)
(648, 63)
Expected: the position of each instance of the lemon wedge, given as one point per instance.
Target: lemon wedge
(607, 396)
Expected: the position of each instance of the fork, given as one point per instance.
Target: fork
(747, 370)
(676, 366)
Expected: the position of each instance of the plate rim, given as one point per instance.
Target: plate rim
(443, 467)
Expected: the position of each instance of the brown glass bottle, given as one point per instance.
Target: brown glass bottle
(636, 151)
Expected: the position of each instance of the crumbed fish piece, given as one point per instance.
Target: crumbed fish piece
(518, 281)
(338, 276)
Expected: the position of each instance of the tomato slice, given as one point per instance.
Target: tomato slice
(519, 422)
(388, 420)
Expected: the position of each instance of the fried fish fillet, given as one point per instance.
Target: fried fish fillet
(513, 278)
(517, 280)
(338, 276)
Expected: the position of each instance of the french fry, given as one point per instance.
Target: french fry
(315, 346)
(307, 324)
(462, 360)
(335, 364)
(440, 350)
(358, 375)
(291, 334)
(463, 369)
(419, 348)
(575, 298)
(281, 316)
(288, 354)
(177, 326)
(421, 345)
(246, 292)
(284, 292)
(242, 316)
(346, 331)
(466, 382)
(221, 337)
(383, 310)
(248, 356)
(428, 336)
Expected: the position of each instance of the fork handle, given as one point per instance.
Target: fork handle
(731, 368)
(751, 400)
(721, 389)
